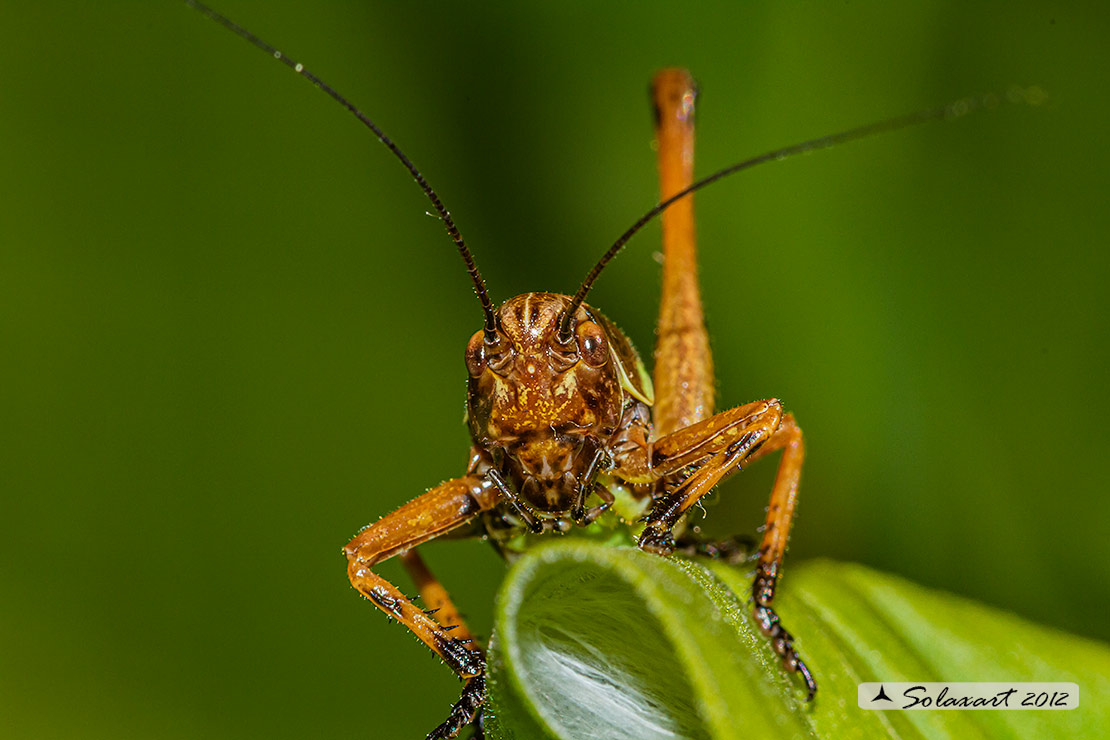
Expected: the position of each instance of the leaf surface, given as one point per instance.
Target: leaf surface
(612, 643)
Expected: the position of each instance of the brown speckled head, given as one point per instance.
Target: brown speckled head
(543, 404)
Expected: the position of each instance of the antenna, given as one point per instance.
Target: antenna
(956, 109)
(444, 215)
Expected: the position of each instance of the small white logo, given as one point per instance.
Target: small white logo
(967, 695)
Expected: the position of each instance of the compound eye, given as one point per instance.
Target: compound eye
(593, 347)
(476, 354)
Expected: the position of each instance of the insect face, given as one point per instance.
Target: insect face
(542, 404)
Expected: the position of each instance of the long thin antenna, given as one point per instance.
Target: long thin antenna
(448, 222)
(962, 107)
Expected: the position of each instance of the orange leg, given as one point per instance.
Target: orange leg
(784, 496)
(780, 511)
(694, 450)
(435, 597)
(776, 533)
(700, 457)
(683, 376)
(440, 510)
(696, 459)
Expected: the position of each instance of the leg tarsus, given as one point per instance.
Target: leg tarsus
(782, 642)
(465, 711)
(479, 727)
(732, 550)
(811, 684)
(657, 540)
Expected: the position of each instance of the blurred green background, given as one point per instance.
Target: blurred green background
(231, 337)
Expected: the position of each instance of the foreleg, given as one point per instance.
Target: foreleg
(702, 455)
(699, 457)
(444, 508)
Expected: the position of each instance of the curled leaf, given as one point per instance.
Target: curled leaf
(612, 643)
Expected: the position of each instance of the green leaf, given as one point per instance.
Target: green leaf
(612, 643)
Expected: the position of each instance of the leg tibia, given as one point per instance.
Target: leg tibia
(437, 602)
(684, 385)
(438, 511)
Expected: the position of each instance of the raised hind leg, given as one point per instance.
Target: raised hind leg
(694, 450)
(683, 372)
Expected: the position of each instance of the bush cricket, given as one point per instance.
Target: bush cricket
(569, 431)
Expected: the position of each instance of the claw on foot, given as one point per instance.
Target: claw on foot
(657, 540)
